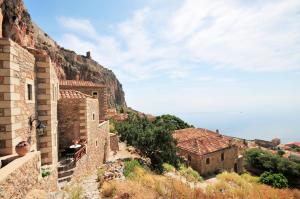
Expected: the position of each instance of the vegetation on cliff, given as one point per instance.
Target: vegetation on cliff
(153, 139)
(261, 161)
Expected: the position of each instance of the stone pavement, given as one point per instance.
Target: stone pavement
(90, 187)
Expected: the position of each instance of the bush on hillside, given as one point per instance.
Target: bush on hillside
(153, 139)
(276, 180)
(130, 166)
(190, 174)
(168, 168)
(280, 152)
(266, 161)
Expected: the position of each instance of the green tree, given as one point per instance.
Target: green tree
(266, 161)
(153, 139)
(276, 180)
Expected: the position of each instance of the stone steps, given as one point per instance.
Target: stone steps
(65, 169)
(62, 174)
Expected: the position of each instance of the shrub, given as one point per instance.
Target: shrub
(45, 172)
(280, 152)
(265, 161)
(250, 178)
(276, 180)
(190, 174)
(74, 190)
(130, 166)
(168, 168)
(108, 189)
(100, 176)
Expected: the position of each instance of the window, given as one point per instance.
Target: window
(189, 158)
(29, 91)
(95, 94)
(93, 116)
(96, 143)
(222, 156)
(207, 160)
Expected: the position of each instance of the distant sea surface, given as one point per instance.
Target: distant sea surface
(266, 125)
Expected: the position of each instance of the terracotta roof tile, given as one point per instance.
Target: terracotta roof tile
(200, 141)
(78, 83)
(72, 94)
(293, 144)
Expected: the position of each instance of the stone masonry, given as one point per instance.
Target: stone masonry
(23, 174)
(47, 95)
(16, 107)
(96, 90)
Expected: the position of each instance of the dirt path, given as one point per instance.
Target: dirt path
(90, 187)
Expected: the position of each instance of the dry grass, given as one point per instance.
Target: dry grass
(231, 185)
(74, 190)
(108, 189)
(146, 185)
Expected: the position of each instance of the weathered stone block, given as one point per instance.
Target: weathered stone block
(2, 128)
(2, 144)
(1, 97)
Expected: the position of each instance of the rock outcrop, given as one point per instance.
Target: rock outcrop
(17, 25)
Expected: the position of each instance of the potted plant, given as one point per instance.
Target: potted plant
(22, 148)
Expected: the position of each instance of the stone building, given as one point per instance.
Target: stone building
(96, 90)
(28, 112)
(31, 110)
(78, 116)
(208, 152)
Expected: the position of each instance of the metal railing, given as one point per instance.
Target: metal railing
(81, 152)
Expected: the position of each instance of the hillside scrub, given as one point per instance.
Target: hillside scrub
(148, 185)
(276, 180)
(153, 139)
(190, 174)
(232, 185)
(266, 161)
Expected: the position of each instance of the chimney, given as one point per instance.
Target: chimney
(88, 55)
(77, 76)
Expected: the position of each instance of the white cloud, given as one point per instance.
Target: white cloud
(257, 36)
(226, 34)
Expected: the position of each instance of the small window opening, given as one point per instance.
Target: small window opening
(93, 116)
(189, 158)
(207, 160)
(95, 94)
(96, 143)
(29, 91)
(222, 156)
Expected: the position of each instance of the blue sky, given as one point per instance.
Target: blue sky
(188, 56)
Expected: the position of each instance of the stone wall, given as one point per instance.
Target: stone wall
(69, 116)
(17, 78)
(96, 154)
(47, 97)
(102, 97)
(114, 142)
(216, 164)
(24, 174)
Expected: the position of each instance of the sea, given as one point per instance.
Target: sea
(249, 125)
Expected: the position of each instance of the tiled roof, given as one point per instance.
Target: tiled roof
(72, 94)
(200, 141)
(79, 83)
(293, 143)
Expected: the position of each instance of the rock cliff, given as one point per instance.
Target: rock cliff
(17, 25)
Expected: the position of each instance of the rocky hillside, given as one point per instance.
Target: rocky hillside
(17, 25)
